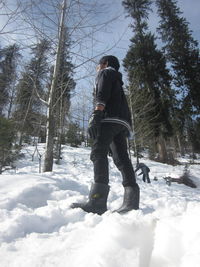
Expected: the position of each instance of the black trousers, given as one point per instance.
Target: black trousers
(112, 137)
(145, 176)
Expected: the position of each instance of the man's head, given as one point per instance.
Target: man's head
(109, 61)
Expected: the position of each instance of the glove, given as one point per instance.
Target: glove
(95, 124)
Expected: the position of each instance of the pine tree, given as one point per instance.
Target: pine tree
(7, 137)
(147, 73)
(28, 105)
(73, 136)
(8, 65)
(182, 53)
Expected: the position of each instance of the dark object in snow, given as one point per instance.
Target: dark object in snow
(184, 179)
(97, 202)
(144, 171)
(168, 180)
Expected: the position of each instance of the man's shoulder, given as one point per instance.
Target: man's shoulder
(108, 73)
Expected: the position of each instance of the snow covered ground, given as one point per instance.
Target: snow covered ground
(38, 229)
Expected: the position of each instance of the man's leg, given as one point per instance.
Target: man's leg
(99, 153)
(97, 202)
(123, 162)
(148, 179)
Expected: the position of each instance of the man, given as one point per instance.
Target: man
(109, 127)
(144, 171)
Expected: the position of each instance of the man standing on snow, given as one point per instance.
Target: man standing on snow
(109, 127)
(144, 171)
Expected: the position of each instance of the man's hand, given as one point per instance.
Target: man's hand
(95, 124)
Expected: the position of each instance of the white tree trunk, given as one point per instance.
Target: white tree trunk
(48, 160)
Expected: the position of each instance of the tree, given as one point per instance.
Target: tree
(65, 87)
(181, 50)
(48, 161)
(147, 73)
(81, 110)
(73, 136)
(8, 67)
(7, 137)
(182, 53)
(28, 106)
(80, 19)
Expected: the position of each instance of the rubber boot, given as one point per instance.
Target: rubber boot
(97, 202)
(131, 199)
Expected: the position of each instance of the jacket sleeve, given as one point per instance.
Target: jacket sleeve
(104, 87)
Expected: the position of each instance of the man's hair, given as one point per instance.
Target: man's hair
(111, 60)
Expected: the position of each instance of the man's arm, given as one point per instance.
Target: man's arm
(104, 88)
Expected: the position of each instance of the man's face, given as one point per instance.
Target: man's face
(102, 66)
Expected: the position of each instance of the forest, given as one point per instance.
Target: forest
(48, 61)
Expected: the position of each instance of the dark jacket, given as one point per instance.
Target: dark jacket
(109, 92)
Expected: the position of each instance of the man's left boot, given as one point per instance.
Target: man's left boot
(97, 202)
(131, 199)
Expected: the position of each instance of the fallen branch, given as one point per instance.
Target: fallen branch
(184, 179)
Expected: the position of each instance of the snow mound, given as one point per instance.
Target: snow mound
(38, 228)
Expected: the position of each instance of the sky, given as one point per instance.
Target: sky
(112, 38)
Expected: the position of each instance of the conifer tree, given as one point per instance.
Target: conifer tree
(8, 151)
(8, 65)
(182, 53)
(28, 106)
(147, 73)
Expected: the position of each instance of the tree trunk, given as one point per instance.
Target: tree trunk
(162, 151)
(48, 160)
(180, 145)
(133, 129)
(11, 101)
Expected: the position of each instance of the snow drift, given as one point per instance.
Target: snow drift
(38, 229)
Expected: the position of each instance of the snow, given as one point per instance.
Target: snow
(38, 228)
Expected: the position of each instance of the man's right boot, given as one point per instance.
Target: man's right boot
(97, 202)
(131, 199)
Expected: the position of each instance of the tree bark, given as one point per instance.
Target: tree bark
(180, 145)
(162, 151)
(48, 160)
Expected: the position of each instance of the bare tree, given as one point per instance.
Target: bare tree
(80, 18)
(81, 110)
